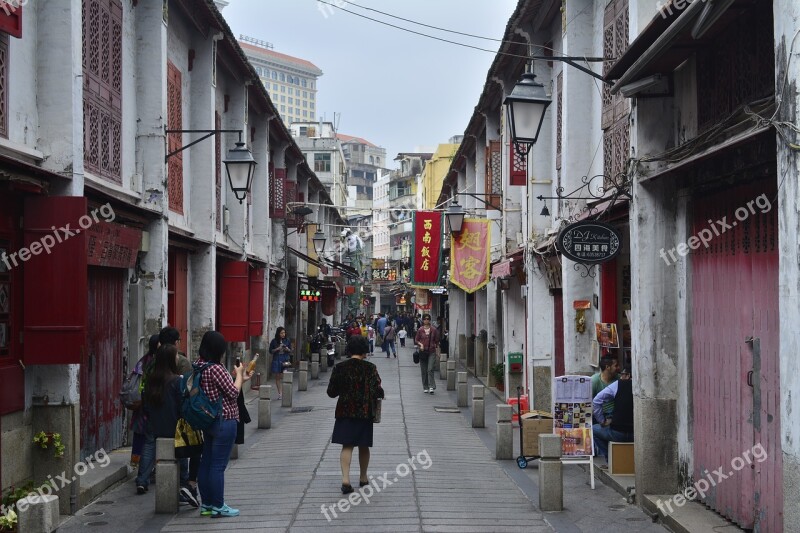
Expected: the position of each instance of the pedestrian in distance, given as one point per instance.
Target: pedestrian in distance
(161, 402)
(371, 338)
(427, 342)
(389, 335)
(280, 348)
(357, 384)
(402, 336)
(217, 384)
(170, 335)
(138, 418)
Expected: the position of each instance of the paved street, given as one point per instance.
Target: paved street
(286, 474)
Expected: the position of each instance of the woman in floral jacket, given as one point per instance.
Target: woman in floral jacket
(357, 384)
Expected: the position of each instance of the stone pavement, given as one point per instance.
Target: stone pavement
(286, 475)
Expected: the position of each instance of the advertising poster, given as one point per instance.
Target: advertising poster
(607, 335)
(572, 415)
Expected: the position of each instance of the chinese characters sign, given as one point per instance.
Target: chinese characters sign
(112, 245)
(308, 295)
(589, 242)
(384, 274)
(469, 255)
(427, 254)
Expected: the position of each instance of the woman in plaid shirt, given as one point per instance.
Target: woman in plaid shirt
(217, 382)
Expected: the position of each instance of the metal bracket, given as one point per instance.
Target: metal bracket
(208, 133)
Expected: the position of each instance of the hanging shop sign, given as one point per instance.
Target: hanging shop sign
(380, 275)
(422, 300)
(112, 245)
(589, 242)
(426, 259)
(469, 255)
(307, 295)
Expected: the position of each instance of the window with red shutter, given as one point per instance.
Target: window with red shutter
(12, 392)
(102, 88)
(289, 196)
(494, 174)
(615, 124)
(218, 168)
(256, 318)
(234, 303)
(55, 313)
(519, 166)
(277, 205)
(175, 140)
(4, 85)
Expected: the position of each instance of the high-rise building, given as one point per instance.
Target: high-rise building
(290, 81)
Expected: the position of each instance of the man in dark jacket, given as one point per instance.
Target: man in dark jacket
(619, 427)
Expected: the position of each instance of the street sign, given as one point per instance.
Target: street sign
(366, 301)
(589, 242)
(384, 274)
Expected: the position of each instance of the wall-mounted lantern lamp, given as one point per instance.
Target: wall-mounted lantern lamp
(526, 106)
(239, 165)
(455, 216)
(319, 242)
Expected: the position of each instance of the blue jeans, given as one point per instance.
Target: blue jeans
(604, 435)
(217, 446)
(390, 348)
(147, 462)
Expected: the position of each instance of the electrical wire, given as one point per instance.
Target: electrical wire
(437, 38)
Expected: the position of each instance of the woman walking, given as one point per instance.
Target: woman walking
(357, 384)
(427, 341)
(280, 348)
(217, 383)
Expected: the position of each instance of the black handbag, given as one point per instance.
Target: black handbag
(416, 358)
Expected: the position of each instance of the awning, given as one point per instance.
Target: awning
(667, 40)
(503, 269)
(322, 268)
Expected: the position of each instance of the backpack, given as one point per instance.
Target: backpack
(196, 408)
(131, 394)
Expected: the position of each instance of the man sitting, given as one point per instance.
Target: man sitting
(619, 427)
(609, 368)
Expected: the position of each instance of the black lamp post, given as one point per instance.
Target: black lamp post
(455, 216)
(319, 242)
(526, 107)
(240, 167)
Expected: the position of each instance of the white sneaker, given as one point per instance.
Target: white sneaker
(425, 391)
(432, 391)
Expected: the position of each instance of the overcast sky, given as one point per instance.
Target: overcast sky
(395, 89)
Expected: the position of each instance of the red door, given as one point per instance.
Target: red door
(102, 423)
(558, 321)
(735, 372)
(177, 294)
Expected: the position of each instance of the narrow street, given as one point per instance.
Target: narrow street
(285, 475)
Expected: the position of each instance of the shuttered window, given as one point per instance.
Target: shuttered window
(277, 196)
(615, 124)
(174, 140)
(494, 174)
(102, 88)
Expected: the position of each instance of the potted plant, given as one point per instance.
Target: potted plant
(46, 440)
(8, 519)
(498, 372)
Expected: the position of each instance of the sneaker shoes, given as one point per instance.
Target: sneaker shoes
(141, 489)
(225, 510)
(206, 510)
(186, 496)
(425, 391)
(431, 391)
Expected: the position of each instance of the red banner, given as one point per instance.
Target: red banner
(469, 255)
(427, 254)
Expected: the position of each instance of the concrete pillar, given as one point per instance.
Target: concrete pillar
(235, 452)
(323, 360)
(443, 367)
(314, 366)
(550, 473)
(287, 389)
(481, 366)
(451, 375)
(504, 445)
(167, 471)
(37, 514)
(462, 347)
(478, 407)
(264, 407)
(461, 390)
(302, 379)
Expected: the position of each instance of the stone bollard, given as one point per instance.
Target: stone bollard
(323, 361)
(264, 407)
(37, 514)
(478, 410)
(461, 390)
(550, 473)
(167, 471)
(504, 448)
(287, 389)
(443, 366)
(451, 375)
(314, 366)
(302, 379)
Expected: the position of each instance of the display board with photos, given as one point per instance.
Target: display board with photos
(572, 415)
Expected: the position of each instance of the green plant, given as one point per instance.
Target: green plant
(44, 440)
(498, 371)
(8, 521)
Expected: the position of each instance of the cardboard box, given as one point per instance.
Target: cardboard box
(534, 423)
(620, 459)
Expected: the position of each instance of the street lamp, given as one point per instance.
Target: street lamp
(455, 216)
(319, 242)
(240, 167)
(526, 106)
